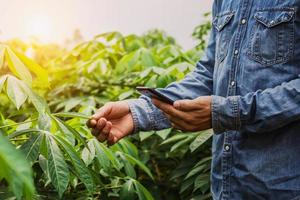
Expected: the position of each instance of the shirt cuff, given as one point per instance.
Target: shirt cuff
(225, 113)
(146, 116)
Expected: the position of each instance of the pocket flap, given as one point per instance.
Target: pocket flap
(273, 17)
(220, 21)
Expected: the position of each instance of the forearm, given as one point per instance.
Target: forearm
(261, 111)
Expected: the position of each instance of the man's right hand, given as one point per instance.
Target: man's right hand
(112, 122)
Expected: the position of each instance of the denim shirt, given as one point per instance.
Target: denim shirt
(252, 70)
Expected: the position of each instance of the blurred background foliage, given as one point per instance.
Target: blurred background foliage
(47, 152)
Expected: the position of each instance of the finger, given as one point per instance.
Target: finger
(186, 105)
(181, 125)
(91, 123)
(95, 132)
(103, 135)
(111, 139)
(169, 109)
(103, 112)
(107, 128)
(101, 124)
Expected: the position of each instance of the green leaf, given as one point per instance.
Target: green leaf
(129, 169)
(38, 102)
(138, 163)
(72, 103)
(201, 139)
(2, 82)
(71, 115)
(110, 155)
(58, 168)
(145, 135)
(66, 130)
(181, 143)
(40, 72)
(31, 147)
(44, 122)
(128, 147)
(127, 191)
(88, 153)
(22, 132)
(126, 95)
(83, 172)
(202, 182)
(2, 53)
(17, 66)
(14, 92)
(102, 158)
(186, 184)
(175, 138)
(16, 170)
(164, 133)
(142, 192)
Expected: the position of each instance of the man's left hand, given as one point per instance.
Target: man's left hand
(188, 115)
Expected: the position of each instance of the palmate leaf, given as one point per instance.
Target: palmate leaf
(16, 170)
(82, 171)
(58, 168)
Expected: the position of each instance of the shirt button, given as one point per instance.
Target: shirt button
(244, 21)
(232, 83)
(236, 52)
(227, 147)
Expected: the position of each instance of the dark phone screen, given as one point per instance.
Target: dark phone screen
(153, 93)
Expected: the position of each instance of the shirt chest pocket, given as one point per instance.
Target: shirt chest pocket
(220, 22)
(272, 36)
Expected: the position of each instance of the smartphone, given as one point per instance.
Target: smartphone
(154, 93)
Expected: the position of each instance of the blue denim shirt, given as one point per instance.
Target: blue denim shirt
(252, 70)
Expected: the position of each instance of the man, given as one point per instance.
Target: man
(247, 88)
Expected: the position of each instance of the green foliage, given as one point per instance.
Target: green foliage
(16, 170)
(47, 124)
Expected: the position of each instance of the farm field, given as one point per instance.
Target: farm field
(48, 92)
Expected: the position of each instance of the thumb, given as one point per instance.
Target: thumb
(185, 105)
